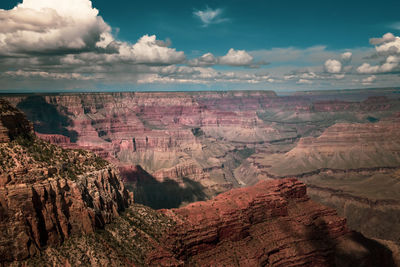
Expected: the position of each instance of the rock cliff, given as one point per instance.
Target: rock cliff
(273, 223)
(48, 194)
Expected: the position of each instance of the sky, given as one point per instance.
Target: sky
(102, 45)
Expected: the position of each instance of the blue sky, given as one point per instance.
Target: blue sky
(49, 45)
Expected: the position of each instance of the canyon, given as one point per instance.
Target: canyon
(174, 148)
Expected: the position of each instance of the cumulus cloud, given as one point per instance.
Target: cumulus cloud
(346, 57)
(388, 37)
(45, 26)
(207, 59)
(390, 47)
(210, 16)
(148, 50)
(236, 58)
(37, 27)
(391, 64)
(333, 66)
(387, 47)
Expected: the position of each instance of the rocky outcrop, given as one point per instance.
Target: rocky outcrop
(13, 122)
(34, 216)
(273, 223)
(48, 194)
(56, 139)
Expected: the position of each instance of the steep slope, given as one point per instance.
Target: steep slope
(47, 193)
(271, 224)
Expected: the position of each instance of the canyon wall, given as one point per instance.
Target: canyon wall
(195, 145)
(203, 136)
(350, 167)
(48, 194)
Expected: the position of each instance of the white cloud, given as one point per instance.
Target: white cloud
(304, 81)
(48, 26)
(339, 76)
(74, 27)
(333, 66)
(391, 64)
(346, 57)
(48, 75)
(236, 58)
(388, 37)
(367, 68)
(210, 16)
(207, 59)
(369, 80)
(202, 75)
(148, 50)
(390, 47)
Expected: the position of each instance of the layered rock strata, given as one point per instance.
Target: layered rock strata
(47, 193)
(273, 223)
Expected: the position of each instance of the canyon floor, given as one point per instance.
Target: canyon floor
(175, 148)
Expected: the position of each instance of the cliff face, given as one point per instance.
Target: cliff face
(273, 223)
(13, 123)
(48, 194)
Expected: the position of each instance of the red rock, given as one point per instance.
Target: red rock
(40, 205)
(273, 223)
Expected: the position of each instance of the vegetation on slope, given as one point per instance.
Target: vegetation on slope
(40, 155)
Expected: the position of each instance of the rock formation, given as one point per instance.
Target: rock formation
(13, 123)
(273, 223)
(48, 194)
(353, 168)
(195, 145)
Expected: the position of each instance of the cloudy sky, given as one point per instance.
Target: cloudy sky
(102, 45)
